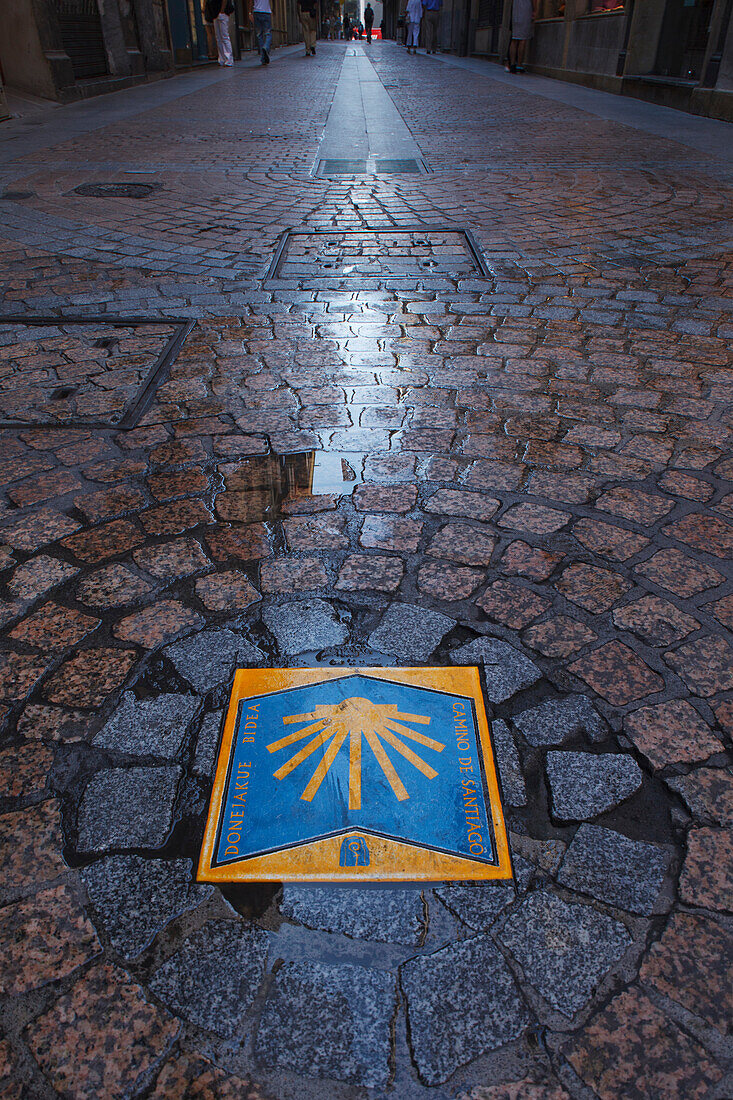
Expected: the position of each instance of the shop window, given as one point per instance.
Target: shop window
(605, 5)
(550, 9)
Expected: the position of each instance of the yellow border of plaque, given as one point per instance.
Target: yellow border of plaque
(390, 860)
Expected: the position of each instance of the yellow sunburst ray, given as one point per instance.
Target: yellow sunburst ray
(307, 750)
(408, 754)
(355, 770)
(386, 765)
(389, 723)
(291, 738)
(326, 761)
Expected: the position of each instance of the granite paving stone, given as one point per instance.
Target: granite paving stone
(513, 788)
(215, 976)
(305, 625)
(594, 589)
(43, 939)
(208, 659)
(658, 622)
(614, 869)
(632, 1049)
(708, 793)
(88, 678)
(564, 949)
(617, 674)
(329, 1021)
(478, 904)
(462, 543)
(409, 631)
(74, 1053)
(149, 727)
(112, 586)
(168, 560)
(187, 1076)
(462, 1001)
(583, 785)
(30, 846)
(366, 913)
(37, 576)
(693, 965)
(293, 575)
(364, 571)
(711, 534)
(127, 808)
(559, 636)
(517, 1090)
(671, 733)
(506, 670)
(512, 604)
(19, 673)
(555, 720)
(608, 540)
(227, 591)
(155, 625)
(679, 573)
(445, 581)
(24, 770)
(707, 873)
(705, 664)
(390, 533)
(136, 898)
(207, 744)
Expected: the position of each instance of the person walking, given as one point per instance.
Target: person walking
(369, 22)
(413, 16)
(307, 11)
(262, 15)
(347, 28)
(523, 13)
(432, 21)
(218, 12)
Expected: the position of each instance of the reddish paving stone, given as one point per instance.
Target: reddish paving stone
(705, 664)
(448, 582)
(559, 636)
(607, 540)
(19, 673)
(232, 446)
(522, 560)
(655, 620)
(292, 574)
(191, 1077)
(56, 483)
(511, 604)
(89, 677)
(34, 531)
(703, 532)
(493, 476)
(178, 483)
(536, 518)
(303, 505)
(596, 590)
(723, 611)
(678, 573)
(158, 624)
(320, 532)
(385, 498)
(636, 505)
(455, 502)
(118, 469)
(631, 1050)
(563, 488)
(109, 503)
(462, 543)
(24, 770)
(592, 435)
(707, 873)
(723, 712)
(36, 577)
(42, 939)
(181, 452)
(390, 533)
(228, 591)
(142, 438)
(683, 485)
(112, 586)
(175, 518)
(10, 1085)
(617, 674)
(39, 721)
(361, 571)
(105, 542)
(30, 846)
(171, 560)
(692, 964)
(708, 793)
(76, 1054)
(246, 543)
(54, 628)
(671, 733)
(245, 507)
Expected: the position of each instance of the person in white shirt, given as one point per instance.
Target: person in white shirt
(262, 13)
(218, 12)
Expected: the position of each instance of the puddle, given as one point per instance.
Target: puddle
(264, 483)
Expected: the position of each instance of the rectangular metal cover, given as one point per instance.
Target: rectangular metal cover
(345, 775)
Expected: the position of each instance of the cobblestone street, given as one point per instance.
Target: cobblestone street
(373, 360)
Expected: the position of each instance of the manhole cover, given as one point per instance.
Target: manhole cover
(377, 253)
(117, 190)
(91, 372)
(369, 774)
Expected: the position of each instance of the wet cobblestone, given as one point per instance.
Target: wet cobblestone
(525, 468)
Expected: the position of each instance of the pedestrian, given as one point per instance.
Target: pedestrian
(307, 11)
(218, 12)
(369, 22)
(413, 17)
(523, 14)
(432, 20)
(326, 28)
(347, 28)
(262, 15)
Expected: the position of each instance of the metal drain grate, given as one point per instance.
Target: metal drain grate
(372, 166)
(68, 372)
(398, 167)
(394, 253)
(116, 190)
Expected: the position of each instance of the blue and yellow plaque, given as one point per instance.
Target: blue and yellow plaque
(346, 775)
